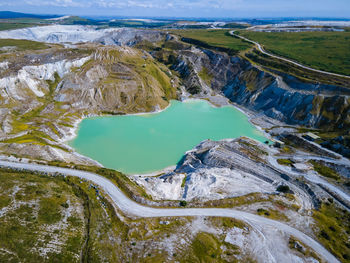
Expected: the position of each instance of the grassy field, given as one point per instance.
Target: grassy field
(10, 26)
(42, 219)
(217, 38)
(324, 170)
(65, 219)
(329, 51)
(20, 45)
(333, 228)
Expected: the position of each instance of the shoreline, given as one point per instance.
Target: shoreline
(73, 131)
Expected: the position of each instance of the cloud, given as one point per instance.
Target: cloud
(209, 8)
(122, 4)
(58, 3)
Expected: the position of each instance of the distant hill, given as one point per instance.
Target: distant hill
(9, 15)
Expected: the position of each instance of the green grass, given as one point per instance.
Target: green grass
(271, 64)
(286, 162)
(205, 76)
(49, 211)
(109, 239)
(273, 214)
(302, 248)
(130, 188)
(217, 38)
(133, 23)
(21, 45)
(162, 78)
(183, 183)
(236, 201)
(5, 200)
(286, 149)
(329, 51)
(325, 170)
(34, 137)
(333, 230)
(226, 222)
(11, 26)
(206, 247)
(27, 227)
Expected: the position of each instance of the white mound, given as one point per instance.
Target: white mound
(57, 33)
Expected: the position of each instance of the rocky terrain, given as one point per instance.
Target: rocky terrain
(81, 224)
(280, 97)
(46, 92)
(82, 34)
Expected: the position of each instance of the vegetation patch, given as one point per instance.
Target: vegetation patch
(286, 162)
(12, 26)
(325, 170)
(308, 48)
(50, 210)
(215, 38)
(21, 45)
(275, 65)
(296, 244)
(206, 247)
(236, 201)
(283, 189)
(205, 76)
(272, 213)
(333, 230)
(227, 222)
(29, 230)
(130, 188)
(183, 183)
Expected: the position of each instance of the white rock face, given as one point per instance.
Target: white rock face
(57, 33)
(217, 183)
(4, 65)
(163, 188)
(47, 71)
(32, 77)
(80, 34)
(204, 184)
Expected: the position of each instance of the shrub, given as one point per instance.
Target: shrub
(194, 89)
(283, 188)
(285, 162)
(325, 235)
(183, 203)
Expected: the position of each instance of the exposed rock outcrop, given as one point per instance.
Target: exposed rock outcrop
(48, 92)
(282, 97)
(227, 168)
(79, 34)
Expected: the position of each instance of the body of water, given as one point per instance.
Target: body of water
(149, 142)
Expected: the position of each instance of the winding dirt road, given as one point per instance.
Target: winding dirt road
(261, 49)
(132, 208)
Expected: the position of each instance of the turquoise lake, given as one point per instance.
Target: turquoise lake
(150, 142)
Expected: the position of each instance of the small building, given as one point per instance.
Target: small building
(311, 136)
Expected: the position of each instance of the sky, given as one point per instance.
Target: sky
(184, 8)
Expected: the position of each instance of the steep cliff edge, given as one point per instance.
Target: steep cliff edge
(278, 96)
(44, 95)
